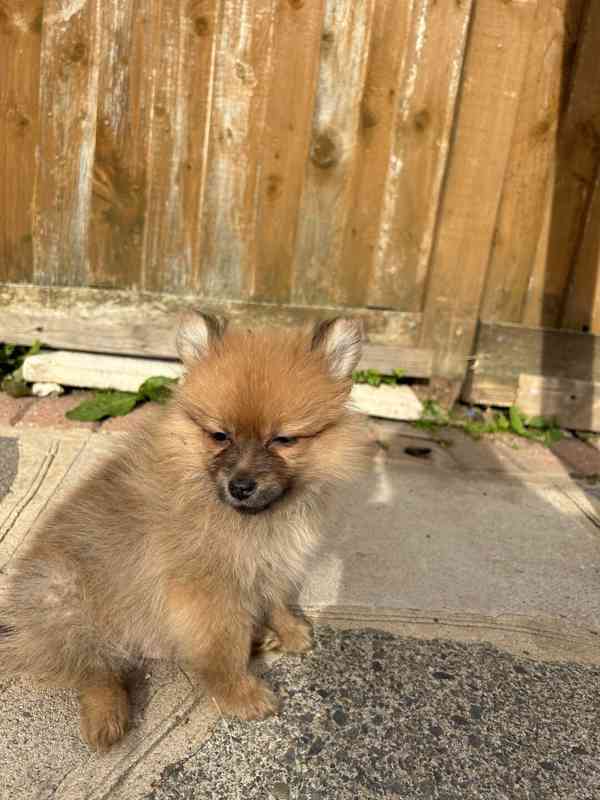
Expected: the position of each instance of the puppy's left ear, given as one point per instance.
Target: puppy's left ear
(197, 332)
(340, 340)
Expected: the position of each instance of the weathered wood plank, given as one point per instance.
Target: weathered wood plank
(389, 235)
(504, 352)
(182, 68)
(573, 404)
(243, 62)
(68, 104)
(582, 301)
(204, 18)
(285, 146)
(537, 312)
(521, 214)
(575, 166)
(20, 45)
(143, 323)
(318, 267)
(391, 48)
(118, 204)
(492, 77)
(150, 169)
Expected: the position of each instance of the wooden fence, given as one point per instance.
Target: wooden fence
(430, 164)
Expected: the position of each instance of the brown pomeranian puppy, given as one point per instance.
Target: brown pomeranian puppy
(188, 542)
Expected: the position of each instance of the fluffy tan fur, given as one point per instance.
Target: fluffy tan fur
(152, 554)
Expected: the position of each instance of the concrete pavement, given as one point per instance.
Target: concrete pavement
(456, 601)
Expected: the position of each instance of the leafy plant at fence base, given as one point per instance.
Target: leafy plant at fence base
(536, 428)
(103, 405)
(14, 385)
(375, 378)
(116, 404)
(11, 363)
(433, 415)
(157, 389)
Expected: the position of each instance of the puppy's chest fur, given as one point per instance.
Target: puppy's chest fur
(269, 557)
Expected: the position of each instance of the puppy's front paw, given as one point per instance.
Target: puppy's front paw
(104, 717)
(251, 700)
(296, 636)
(266, 641)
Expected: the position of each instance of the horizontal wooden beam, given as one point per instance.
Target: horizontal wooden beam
(143, 324)
(505, 352)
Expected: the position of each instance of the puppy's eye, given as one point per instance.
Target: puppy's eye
(219, 436)
(284, 441)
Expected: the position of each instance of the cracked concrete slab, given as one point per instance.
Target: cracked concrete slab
(435, 552)
(372, 715)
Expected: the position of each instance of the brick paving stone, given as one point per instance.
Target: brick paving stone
(49, 412)
(13, 408)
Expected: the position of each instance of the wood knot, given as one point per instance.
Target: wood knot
(368, 118)
(327, 39)
(274, 181)
(78, 52)
(542, 127)
(422, 119)
(296, 3)
(201, 26)
(324, 151)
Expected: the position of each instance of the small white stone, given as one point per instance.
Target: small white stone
(46, 389)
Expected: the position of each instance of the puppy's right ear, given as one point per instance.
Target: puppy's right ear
(196, 334)
(340, 340)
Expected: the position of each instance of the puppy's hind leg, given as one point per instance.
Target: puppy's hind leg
(104, 709)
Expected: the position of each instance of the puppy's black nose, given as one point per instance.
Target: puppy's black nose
(241, 488)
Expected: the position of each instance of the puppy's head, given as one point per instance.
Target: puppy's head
(267, 410)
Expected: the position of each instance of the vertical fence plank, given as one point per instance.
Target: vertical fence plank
(574, 175)
(387, 266)
(534, 313)
(492, 78)
(237, 118)
(285, 145)
(521, 214)
(20, 29)
(318, 266)
(68, 96)
(391, 48)
(150, 164)
(182, 67)
(582, 303)
(203, 16)
(119, 177)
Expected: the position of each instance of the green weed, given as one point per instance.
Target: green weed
(116, 404)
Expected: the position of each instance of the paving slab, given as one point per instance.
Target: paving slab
(439, 588)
